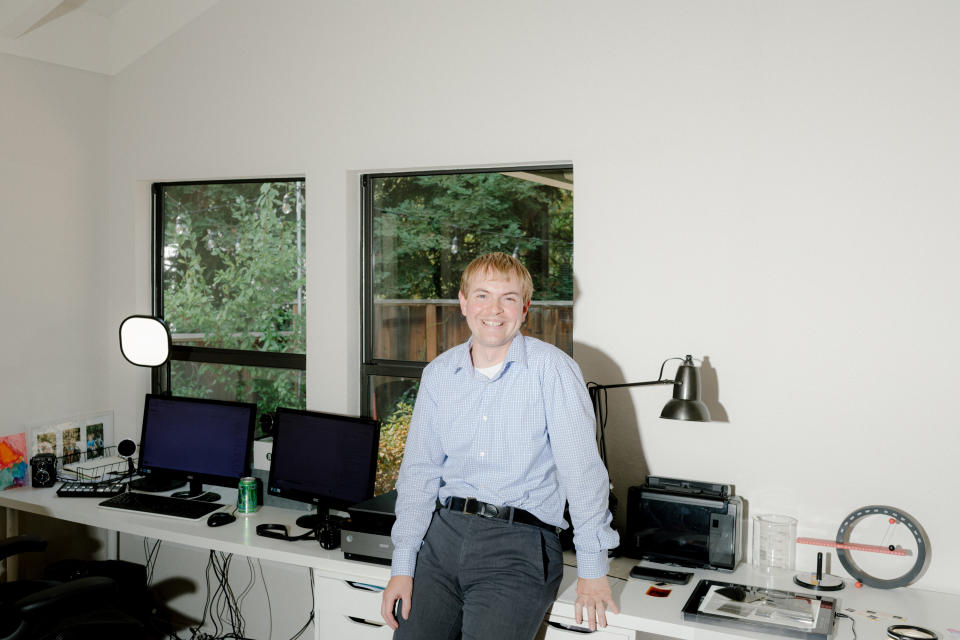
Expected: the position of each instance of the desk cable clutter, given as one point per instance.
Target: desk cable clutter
(327, 534)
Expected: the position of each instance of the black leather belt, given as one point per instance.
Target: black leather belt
(474, 507)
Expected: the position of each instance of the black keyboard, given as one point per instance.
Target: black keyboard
(91, 489)
(161, 505)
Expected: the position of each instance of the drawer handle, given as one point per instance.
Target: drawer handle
(568, 627)
(363, 586)
(364, 621)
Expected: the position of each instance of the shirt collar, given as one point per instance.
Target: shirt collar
(517, 353)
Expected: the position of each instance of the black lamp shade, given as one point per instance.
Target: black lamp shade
(686, 403)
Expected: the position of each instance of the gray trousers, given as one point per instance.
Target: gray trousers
(484, 578)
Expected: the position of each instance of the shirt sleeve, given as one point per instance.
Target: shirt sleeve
(571, 427)
(418, 481)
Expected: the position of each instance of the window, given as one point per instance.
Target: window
(420, 232)
(229, 281)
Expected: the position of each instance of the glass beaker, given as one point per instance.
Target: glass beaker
(774, 542)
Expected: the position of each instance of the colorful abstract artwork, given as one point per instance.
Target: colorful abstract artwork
(13, 460)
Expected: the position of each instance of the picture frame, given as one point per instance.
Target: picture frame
(45, 438)
(97, 434)
(761, 609)
(74, 438)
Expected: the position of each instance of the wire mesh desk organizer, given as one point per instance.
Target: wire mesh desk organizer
(95, 472)
(91, 466)
(761, 609)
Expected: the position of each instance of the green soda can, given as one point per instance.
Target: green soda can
(247, 495)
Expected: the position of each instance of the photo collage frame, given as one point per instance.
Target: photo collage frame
(74, 439)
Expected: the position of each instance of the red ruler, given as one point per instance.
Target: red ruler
(874, 548)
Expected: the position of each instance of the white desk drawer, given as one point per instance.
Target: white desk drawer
(558, 628)
(351, 598)
(342, 627)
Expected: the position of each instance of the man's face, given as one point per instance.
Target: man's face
(494, 309)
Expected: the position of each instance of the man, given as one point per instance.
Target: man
(503, 436)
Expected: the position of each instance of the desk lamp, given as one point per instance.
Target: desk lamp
(145, 341)
(685, 404)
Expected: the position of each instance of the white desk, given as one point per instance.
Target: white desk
(662, 616)
(341, 607)
(238, 538)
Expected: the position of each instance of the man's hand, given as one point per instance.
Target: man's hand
(595, 595)
(400, 588)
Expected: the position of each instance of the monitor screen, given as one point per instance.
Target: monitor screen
(323, 458)
(204, 441)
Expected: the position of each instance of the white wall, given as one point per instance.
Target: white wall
(53, 333)
(767, 185)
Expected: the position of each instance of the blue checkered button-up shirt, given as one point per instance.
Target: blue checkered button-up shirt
(525, 439)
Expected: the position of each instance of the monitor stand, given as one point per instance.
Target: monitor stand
(196, 492)
(313, 520)
(156, 483)
(317, 519)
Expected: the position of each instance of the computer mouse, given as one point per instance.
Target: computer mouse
(220, 518)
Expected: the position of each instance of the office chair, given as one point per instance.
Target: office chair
(80, 609)
(12, 591)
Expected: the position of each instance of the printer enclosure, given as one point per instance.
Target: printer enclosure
(683, 522)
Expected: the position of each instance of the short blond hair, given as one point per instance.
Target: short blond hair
(498, 263)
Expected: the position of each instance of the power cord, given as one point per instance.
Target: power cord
(269, 604)
(853, 623)
(313, 600)
(226, 601)
(221, 605)
(151, 554)
(598, 398)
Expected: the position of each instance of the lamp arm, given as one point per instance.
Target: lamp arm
(594, 391)
(630, 384)
(686, 404)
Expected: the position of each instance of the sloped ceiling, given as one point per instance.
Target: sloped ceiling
(104, 36)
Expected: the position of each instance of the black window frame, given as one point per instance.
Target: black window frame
(207, 355)
(371, 366)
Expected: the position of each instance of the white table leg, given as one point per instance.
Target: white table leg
(113, 544)
(316, 605)
(13, 529)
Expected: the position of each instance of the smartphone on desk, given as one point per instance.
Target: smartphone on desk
(660, 575)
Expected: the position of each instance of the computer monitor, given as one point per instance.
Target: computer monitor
(324, 459)
(197, 440)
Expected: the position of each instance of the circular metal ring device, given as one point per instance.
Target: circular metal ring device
(897, 522)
